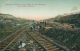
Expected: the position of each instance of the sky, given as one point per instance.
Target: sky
(43, 10)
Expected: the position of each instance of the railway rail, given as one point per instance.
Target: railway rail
(9, 42)
(43, 43)
(8, 31)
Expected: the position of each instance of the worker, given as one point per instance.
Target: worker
(31, 28)
(38, 28)
(21, 43)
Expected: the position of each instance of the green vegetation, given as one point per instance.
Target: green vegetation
(8, 21)
(71, 19)
(69, 38)
(67, 35)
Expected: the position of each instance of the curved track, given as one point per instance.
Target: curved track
(44, 44)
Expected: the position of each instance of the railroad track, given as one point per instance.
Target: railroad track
(4, 33)
(44, 44)
(9, 42)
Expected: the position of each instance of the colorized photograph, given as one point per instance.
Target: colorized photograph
(39, 25)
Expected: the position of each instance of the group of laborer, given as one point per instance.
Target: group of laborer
(35, 27)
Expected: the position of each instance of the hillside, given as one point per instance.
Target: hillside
(10, 24)
(69, 37)
(63, 32)
(7, 21)
(70, 19)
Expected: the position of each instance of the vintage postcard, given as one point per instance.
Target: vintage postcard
(39, 25)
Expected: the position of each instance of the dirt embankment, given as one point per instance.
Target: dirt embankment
(70, 37)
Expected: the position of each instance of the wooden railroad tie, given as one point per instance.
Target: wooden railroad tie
(7, 32)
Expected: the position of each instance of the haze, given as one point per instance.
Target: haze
(51, 8)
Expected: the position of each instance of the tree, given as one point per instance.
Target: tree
(74, 9)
